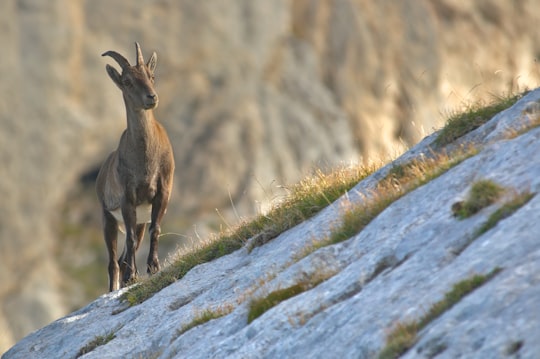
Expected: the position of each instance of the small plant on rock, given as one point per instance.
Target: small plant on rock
(258, 306)
(506, 210)
(96, 342)
(483, 194)
(404, 334)
(204, 317)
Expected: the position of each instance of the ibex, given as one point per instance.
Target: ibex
(134, 183)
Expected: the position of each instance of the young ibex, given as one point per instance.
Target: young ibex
(134, 183)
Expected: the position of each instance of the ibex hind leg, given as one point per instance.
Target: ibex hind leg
(110, 231)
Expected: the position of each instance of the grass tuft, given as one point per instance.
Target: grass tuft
(505, 211)
(259, 306)
(458, 291)
(401, 337)
(474, 116)
(404, 335)
(483, 194)
(96, 342)
(204, 317)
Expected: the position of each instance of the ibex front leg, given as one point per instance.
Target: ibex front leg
(129, 214)
(159, 205)
(139, 238)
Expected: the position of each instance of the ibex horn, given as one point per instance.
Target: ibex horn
(119, 58)
(140, 60)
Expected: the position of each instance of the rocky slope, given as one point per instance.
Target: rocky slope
(253, 94)
(393, 271)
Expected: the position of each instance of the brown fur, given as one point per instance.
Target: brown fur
(139, 173)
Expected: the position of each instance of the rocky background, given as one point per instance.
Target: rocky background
(254, 94)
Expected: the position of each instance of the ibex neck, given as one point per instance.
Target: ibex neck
(140, 123)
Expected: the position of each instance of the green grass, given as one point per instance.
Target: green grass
(458, 291)
(404, 334)
(96, 342)
(402, 337)
(259, 306)
(483, 193)
(473, 117)
(505, 211)
(204, 317)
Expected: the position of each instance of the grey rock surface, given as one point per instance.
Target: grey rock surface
(404, 261)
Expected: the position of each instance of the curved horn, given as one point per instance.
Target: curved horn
(140, 60)
(119, 58)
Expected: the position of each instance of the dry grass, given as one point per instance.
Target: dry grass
(474, 116)
(306, 199)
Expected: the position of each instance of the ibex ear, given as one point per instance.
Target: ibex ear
(151, 64)
(114, 75)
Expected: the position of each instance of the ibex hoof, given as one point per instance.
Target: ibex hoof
(153, 267)
(129, 278)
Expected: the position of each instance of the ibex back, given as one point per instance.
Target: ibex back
(134, 183)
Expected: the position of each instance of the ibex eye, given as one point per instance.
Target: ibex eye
(127, 82)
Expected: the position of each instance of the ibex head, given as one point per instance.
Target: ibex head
(136, 82)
